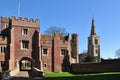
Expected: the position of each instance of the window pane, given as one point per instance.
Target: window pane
(25, 44)
(45, 51)
(25, 31)
(96, 41)
(64, 51)
(45, 65)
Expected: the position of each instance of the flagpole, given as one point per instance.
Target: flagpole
(19, 8)
(0, 25)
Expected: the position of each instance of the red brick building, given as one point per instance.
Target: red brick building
(23, 46)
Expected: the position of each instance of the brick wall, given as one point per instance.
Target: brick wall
(103, 66)
(74, 48)
(54, 59)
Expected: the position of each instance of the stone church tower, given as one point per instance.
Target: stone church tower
(94, 43)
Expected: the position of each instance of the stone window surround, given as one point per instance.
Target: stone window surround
(25, 31)
(24, 44)
(65, 49)
(3, 48)
(44, 49)
(45, 65)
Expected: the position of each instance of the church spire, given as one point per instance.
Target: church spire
(93, 30)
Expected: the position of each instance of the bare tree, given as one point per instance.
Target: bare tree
(57, 30)
(117, 54)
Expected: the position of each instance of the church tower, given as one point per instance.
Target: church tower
(94, 43)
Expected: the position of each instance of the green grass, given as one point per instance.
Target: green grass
(61, 74)
(25, 67)
(69, 76)
(0, 71)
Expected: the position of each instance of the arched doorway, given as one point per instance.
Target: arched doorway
(25, 64)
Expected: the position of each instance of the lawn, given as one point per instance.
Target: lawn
(69, 76)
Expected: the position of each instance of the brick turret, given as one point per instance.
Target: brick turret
(74, 47)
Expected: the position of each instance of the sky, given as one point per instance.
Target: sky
(74, 15)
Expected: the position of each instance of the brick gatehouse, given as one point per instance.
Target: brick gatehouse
(22, 44)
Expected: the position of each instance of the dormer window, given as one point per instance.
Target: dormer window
(25, 31)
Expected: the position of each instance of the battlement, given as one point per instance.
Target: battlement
(21, 22)
(5, 19)
(25, 22)
(3, 39)
(25, 19)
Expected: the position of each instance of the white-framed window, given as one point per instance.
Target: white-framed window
(2, 49)
(45, 51)
(25, 31)
(25, 45)
(44, 65)
(64, 52)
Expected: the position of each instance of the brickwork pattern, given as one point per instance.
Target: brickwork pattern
(103, 66)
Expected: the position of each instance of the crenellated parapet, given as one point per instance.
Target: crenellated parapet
(74, 46)
(25, 22)
(3, 40)
(5, 19)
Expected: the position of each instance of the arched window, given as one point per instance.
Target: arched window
(96, 41)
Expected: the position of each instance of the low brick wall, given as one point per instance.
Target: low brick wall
(104, 66)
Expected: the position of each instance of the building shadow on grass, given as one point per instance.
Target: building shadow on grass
(89, 77)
